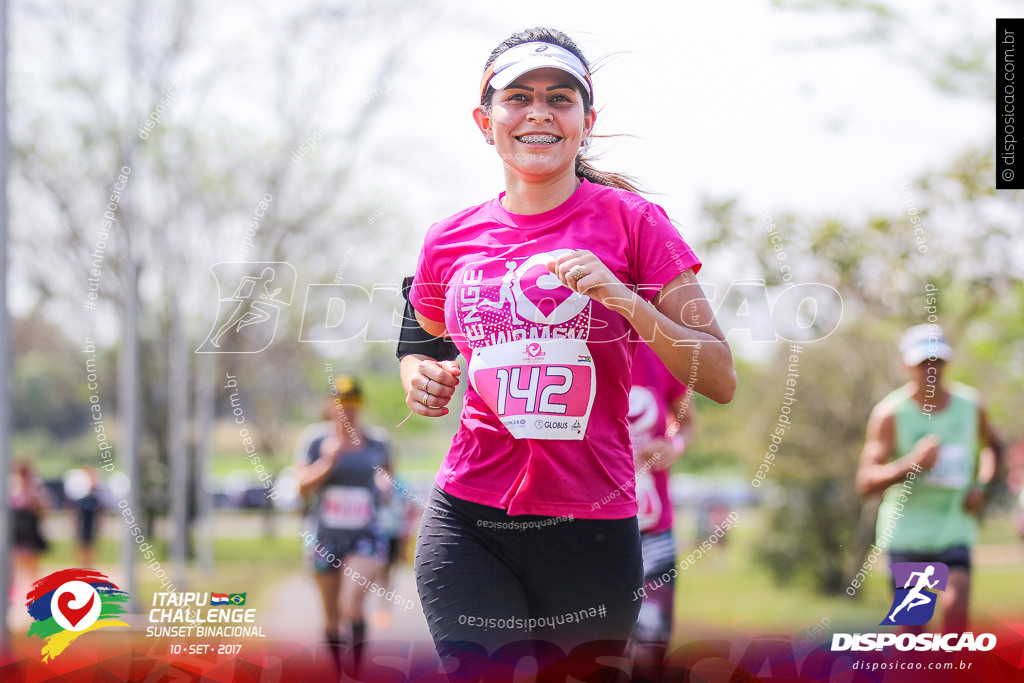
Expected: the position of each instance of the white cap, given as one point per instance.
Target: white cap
(516, 61)
(924, 342)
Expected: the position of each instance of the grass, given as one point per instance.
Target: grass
(726, 590)
(241, 565)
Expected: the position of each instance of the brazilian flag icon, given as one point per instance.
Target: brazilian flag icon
(237, 598)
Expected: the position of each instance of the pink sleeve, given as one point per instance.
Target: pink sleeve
(660, 253)
(428, 288)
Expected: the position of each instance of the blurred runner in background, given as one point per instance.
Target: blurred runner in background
(661, 424)
(391, 520)
(88, 518)
(28, 503)
(339, 474)
(933, 455)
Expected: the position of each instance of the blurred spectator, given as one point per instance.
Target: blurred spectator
(28, 505)
(88, 518)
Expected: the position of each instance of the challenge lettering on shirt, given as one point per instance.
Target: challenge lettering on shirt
(526, 301)
(469, 298)
(525, 383)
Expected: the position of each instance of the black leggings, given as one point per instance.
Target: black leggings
(490, 579)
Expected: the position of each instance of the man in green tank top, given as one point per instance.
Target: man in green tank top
(932, 454)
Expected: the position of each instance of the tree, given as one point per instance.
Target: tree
(948, 235)
(885, 274)
(203, 135)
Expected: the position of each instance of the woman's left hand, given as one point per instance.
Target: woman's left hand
(583, 272)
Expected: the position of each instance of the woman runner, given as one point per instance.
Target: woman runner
(541, 290)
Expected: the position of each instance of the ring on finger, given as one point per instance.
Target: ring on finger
(424, 399)
(577, 273)
(426, 385)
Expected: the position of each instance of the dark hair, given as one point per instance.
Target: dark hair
(584, 169)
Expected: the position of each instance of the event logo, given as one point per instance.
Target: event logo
(540, 297)
(247, 319)
(534, 353)
(914, 603)
(200, 614)
(68, 603)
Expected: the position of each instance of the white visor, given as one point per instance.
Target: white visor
(516, 61)
(924, 342)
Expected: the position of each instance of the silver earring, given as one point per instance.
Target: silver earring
(490, 140)
(585, 144)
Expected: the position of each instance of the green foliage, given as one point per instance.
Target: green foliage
(43, 400)
(719, 442)
(963, 253)
(814, 514)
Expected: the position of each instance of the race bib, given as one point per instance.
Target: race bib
(346, 507)
(952, 468)
(540, 389)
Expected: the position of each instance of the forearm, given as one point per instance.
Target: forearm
(696, 358)
(991, 476)
(312, 476)
(987, 466)
(992, 470)
(876, 478)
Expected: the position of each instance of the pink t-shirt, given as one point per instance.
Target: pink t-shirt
(655, 390)
(543, 426)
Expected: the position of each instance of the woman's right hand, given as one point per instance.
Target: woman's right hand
(429, 385)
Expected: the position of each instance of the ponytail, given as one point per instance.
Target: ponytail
(584, 169)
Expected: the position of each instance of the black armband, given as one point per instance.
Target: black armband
(414, 339)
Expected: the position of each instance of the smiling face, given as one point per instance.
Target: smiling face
(537, 123)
